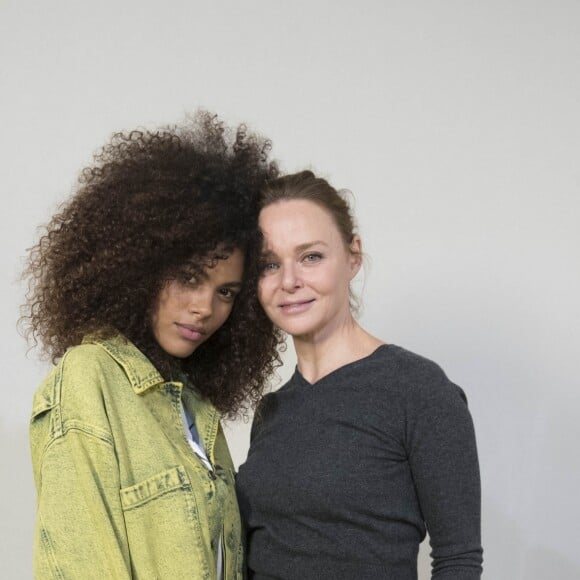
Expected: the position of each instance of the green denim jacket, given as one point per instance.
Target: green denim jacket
(120, 492)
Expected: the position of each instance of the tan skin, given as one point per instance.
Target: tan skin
(188, 313)
(304, 287)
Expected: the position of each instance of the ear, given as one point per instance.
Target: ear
(355, 258)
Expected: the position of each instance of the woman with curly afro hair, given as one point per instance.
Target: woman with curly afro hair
(142, 290)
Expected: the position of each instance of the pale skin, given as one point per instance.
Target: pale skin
(188, 311)
(304, 288)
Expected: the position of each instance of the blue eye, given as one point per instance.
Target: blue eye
(313, 257)
(269, 266)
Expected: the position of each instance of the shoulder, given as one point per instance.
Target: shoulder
(77, 384)
(408, 363)
(79, 362)
(89, 367)
(266, 405)
(267, 408)
(420, 377)
(73, 398)
(88, 357)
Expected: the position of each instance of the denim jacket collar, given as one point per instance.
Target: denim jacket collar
(140, 371)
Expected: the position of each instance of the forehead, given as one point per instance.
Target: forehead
(229, 269)
(296, 222)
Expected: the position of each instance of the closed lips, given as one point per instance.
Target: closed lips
(191, 332)
(191, 327)
(296, 303)
(294, 306)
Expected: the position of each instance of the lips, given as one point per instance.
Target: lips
(190, 331)
(296, 307)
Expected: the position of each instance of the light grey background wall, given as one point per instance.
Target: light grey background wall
(456, 125)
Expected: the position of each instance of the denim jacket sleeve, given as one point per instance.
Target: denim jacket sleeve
(79, 531)
(89, 537)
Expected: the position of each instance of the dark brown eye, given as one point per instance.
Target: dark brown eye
(227, 293)
(188, 277)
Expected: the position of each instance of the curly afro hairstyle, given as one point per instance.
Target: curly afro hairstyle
(152, 202)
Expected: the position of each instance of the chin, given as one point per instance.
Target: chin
(298, 330)
(177, 352)
(183, 355)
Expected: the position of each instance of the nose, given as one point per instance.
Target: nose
(290, 281)
(200, 303)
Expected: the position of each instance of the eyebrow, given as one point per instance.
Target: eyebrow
(268, 252)
(237, 285)
(303, 247)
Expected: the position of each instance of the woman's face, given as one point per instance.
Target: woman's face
(190, 309)
(304, 287)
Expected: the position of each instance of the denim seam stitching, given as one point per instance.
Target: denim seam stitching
(49, 551)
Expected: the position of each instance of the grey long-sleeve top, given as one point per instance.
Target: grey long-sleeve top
(344, 476)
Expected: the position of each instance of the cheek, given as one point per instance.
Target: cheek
(223, 312)
(158, 309)
(333, 280)
(170, 298)
(263, 291)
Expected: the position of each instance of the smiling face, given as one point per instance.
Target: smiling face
(304, 287)
(190, 309)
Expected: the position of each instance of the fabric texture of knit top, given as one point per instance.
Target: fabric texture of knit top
(345, 476)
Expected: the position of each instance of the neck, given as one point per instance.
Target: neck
(318, 356)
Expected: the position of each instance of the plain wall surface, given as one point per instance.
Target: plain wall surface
(455, 124)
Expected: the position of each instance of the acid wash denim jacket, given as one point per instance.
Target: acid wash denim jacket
(121, 494)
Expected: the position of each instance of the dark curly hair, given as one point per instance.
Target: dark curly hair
(151, 202)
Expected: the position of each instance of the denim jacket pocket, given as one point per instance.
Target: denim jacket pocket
(161, 517)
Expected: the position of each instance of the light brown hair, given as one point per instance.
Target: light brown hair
(305, 185)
